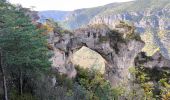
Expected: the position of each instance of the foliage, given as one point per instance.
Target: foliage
(95, 84)
(129, 30)
(25, 54)
(26, 96)
(102, 39)
(166, 96)
(153, 82)
(50, 26)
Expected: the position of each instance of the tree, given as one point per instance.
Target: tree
(4, 78)
(97, 87)
(23, 47)
(2, 7)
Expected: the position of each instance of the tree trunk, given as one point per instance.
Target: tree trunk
(21, 82)
(4, 78)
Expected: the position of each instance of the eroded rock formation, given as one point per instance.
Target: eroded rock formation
(117, 49)
(156, 61)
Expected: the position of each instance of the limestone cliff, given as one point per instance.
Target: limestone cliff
(149, 16)
(118, 50)
(155, 61)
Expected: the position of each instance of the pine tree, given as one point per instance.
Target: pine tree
(23, 47)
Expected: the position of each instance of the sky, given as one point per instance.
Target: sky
(65, 5)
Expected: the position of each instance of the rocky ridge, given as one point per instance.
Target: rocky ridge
(148, 16)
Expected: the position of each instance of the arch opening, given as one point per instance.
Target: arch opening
(88, 58)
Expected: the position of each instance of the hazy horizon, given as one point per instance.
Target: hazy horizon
(63, 5)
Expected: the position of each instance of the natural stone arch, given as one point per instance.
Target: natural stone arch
(118, 51)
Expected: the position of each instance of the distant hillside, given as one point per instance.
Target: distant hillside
(148, 16)
(52, 14)
(136, 11)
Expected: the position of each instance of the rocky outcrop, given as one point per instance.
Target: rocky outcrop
(150, 21)
(156, 61)
(141, 19)
(148, 16)
(118, 50)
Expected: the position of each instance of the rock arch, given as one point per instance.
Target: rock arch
(118, 52)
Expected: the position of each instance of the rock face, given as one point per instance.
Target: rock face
(117, 50)
(142, 13)
(155, 61)
(149, 16)
(154, 21)
(141, 19)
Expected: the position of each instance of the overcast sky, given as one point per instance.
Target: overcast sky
(66, 5)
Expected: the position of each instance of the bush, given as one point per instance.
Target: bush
(95, 84)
